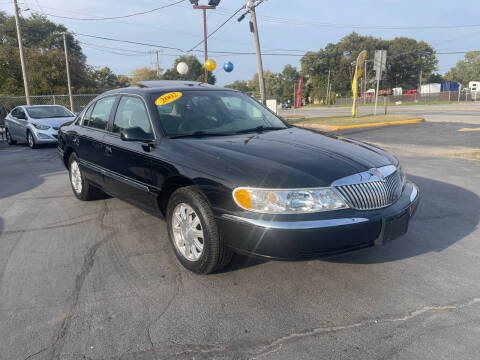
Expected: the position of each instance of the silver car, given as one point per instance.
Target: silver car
(36, 124)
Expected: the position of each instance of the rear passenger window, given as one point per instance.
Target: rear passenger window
(130, 113)
(101, 113)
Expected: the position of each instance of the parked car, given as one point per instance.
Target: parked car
(228, 175)
(35, 125)
(286, 105)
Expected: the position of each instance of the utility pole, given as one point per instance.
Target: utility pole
(157, 65)
(22, 55)
(251, 5)
(212, 4)
(205, 47)
(68, 71)
(259, 53)
(328, 88)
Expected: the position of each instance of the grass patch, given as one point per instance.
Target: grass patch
(326, 122)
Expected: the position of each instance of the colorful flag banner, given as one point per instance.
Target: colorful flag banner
(298, 94)
(358, 72)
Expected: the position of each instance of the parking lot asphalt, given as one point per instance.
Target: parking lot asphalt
(442, 112)
(98, 280)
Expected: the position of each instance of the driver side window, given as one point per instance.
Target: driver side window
(131, 113)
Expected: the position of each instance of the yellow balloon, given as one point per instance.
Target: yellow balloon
(210, 65)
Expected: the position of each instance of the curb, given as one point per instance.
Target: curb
(384, 123)
(323, 127)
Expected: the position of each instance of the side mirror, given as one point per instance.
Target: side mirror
(136, 133)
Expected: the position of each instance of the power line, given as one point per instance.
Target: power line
(116, 17)
(129, 42)
(218, 28)
(293, 21)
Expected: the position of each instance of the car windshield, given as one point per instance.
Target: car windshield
(211, 112)
(45, 112)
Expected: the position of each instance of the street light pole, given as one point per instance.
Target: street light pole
(261, 79)
(212, 4)
(22, 55)
(68, 71)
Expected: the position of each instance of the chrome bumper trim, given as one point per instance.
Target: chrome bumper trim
(414, 192)
(296, 225)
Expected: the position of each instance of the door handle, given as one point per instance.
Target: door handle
(108, 150)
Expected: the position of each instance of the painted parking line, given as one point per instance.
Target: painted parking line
(469, 129)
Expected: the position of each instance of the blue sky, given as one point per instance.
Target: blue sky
(180, 26)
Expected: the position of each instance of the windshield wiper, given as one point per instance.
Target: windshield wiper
(199, 133)
(260, 129)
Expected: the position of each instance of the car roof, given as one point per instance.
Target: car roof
(37, 106)
(154, 86)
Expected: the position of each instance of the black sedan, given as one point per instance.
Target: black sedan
(230, 176)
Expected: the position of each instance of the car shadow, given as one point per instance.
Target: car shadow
(23, 169)
(446, 214)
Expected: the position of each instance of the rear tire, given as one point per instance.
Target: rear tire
(81, 187)
(10, 140)
(31, 140)
(214, 255)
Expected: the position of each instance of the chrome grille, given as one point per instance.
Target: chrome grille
(372, 190)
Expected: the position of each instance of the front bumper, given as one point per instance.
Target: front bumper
(319, 234)
(48, 136)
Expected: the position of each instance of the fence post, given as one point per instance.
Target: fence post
(54, 99)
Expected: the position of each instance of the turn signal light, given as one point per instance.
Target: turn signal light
(243, 198)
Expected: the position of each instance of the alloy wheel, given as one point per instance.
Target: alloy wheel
(31, 141)
(188, 232)
(76, 177)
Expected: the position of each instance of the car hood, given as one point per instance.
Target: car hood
(54, 122)
(280, 159)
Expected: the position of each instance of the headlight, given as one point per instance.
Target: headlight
(288, 201)
(41, 127)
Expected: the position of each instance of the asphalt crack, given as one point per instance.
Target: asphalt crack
(278, 343)
(88, 262)
(245, 351)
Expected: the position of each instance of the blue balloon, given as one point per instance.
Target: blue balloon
(228, 66)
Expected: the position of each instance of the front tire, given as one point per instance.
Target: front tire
(81, 187)
(10, 140)
(193, 232)
(31, 140)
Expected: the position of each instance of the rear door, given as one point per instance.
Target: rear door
(128, 169)
(11, 123)
(89, 139)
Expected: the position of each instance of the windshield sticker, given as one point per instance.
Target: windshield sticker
(168, 98)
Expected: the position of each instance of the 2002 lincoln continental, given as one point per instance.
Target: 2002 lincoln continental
(230, 176)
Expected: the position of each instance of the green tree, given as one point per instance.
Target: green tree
(466, 70)
(240, 85)
(435, 78)
(405, 59)
(143, 73)
(123, 81)
(105, 79)
(44, 57)
(196, 71)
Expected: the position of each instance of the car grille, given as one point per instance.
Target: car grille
(372, 194)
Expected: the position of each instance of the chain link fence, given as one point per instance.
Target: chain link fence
(7, 103)
(443, 97)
